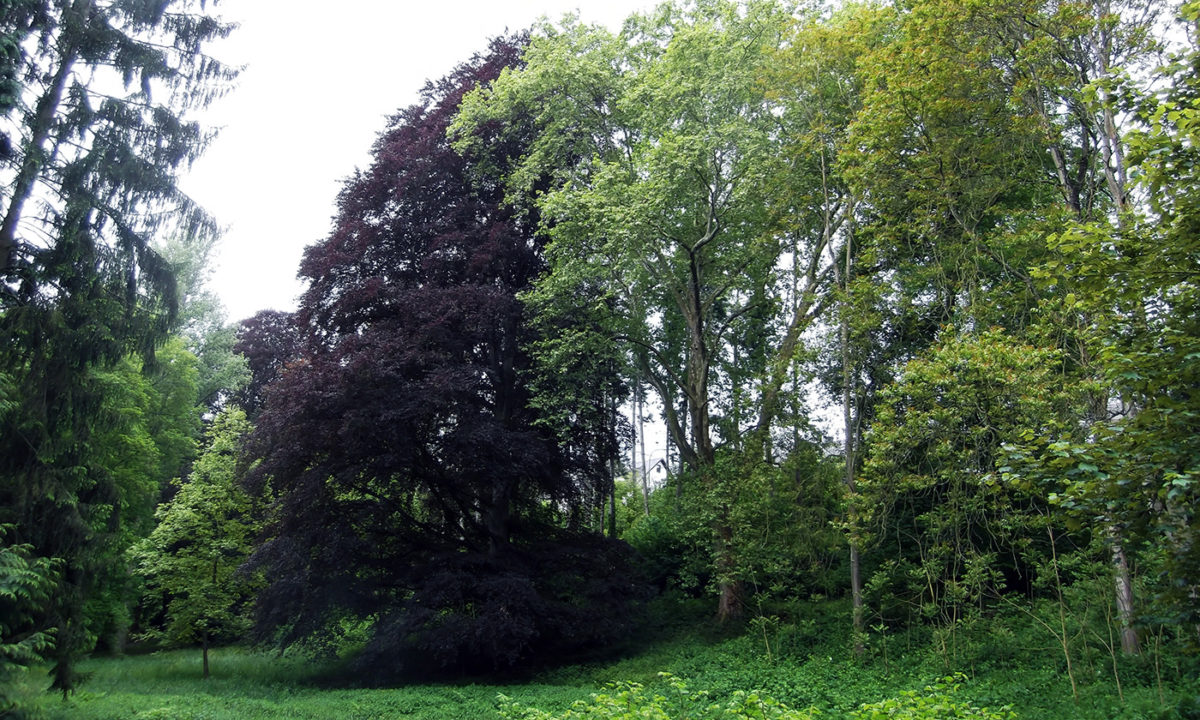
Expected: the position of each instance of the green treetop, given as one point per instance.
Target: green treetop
(203, 535)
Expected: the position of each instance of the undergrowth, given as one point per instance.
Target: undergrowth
(792, 664)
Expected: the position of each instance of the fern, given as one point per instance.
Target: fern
(25, 585)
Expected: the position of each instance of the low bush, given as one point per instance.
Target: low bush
(627, 701)
(935, 702)
(630, 701)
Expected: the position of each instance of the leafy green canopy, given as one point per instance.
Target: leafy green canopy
(658, 142)
(946, 529)
(662, 145)
(203, 535)
(1126, 286)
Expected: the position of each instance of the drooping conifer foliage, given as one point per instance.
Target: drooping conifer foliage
(414, 484)
(93, 132)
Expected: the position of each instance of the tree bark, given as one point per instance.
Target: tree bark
(849, 449)
(641, 433)
(851, 487)
(729, 602)
(1130, 644)
(612, 476)
(499, 510)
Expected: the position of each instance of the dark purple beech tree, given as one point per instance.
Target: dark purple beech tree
(269, 340)
(413, 483)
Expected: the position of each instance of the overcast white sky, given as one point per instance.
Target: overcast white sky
(317, 88)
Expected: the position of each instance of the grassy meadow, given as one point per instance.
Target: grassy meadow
(798, 655)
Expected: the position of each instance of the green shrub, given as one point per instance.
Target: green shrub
(627, 701)
(935, 703)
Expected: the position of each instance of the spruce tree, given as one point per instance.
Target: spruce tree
(95, 123)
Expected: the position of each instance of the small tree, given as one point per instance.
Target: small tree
(203, 535)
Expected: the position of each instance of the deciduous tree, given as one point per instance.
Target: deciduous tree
(203, 535)
(415, 488)
(662, 145)
(949, 531)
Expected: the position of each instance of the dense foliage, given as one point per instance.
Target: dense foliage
(25, 583)
(413, 487)
(626, 701)
(662, 147)
(941, 194)
(94, 131)
(812, 672)
(190, 561)
(969, 230)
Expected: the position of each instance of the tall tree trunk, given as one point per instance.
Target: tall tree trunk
(703, 453)
(730, 601)
(729, 586)
(851, 487)
(612, 474)
(641, 433)
(729, 604)
(680, 444)
(204, 632)
(848, 445)
(1116, 178)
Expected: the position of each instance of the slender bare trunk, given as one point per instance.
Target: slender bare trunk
(204, 648)
(612, 477)
(641, 430)
(849, 450)
(637, 437)
(1130, 645)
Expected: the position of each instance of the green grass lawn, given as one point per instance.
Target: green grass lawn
(808, 666)
(249, 685)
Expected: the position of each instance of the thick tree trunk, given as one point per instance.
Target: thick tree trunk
(730, 600)
(729, 604)
(496, 521)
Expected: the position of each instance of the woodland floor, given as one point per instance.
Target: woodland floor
(798, 655)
